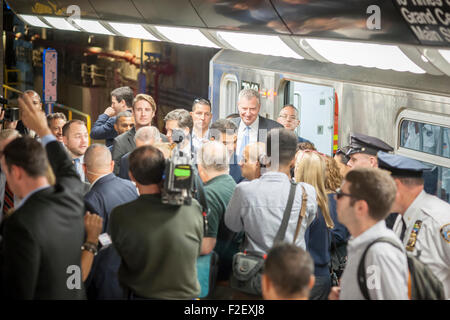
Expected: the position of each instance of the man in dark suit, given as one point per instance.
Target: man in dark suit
(144, 108)
(105, 126)
(40, 250)
(251, 126)
(288, 118)
(107, 192)
(144, 137)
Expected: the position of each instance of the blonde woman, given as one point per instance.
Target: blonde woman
(310, 167)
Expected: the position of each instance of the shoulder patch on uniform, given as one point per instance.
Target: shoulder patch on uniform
(445, 232)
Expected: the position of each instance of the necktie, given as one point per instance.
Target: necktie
(245, 141)
(8, 202)
(402, 234)
(76, 162)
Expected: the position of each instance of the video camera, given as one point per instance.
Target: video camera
(179, 175)
(11, 114)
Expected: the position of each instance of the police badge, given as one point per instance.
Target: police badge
(445, 232)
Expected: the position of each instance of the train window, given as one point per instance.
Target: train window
(228, 95)
(425, 137)
(429, 143)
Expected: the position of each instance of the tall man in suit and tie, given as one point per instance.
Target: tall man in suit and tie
(251, 126)
(40, 251)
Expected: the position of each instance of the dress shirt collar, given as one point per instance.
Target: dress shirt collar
(370, 234)
(30, 194)
(93, 183)
(412, 213)
(253, 127)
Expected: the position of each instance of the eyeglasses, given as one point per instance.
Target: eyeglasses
(340, 194)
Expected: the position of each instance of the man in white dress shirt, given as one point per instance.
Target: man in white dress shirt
(363, 202)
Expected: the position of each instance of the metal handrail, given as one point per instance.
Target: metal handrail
(72, 110)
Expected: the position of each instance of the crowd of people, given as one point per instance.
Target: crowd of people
(83, 220)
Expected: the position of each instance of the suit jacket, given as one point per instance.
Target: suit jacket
(124, 144)
(40, 251)
(107, 193)
(264, 126)
(124, 166)
(103, 128)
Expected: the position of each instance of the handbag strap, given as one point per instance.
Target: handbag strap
(287, 213)
(302, 213)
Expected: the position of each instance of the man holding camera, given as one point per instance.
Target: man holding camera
(158, 243)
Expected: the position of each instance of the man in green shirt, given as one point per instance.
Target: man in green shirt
(158, 243)
(219, 187)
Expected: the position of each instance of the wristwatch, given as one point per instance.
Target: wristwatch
(91, 247)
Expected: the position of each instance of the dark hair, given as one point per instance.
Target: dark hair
(305, 146)
(125, 114)
(202, 101)
(223, 126)
(124, 93)
(28, 154)
(289, 268)
(232, 116)
(183, 118)
(374, 186)
(285, 144)
(67, 125)
(147, 165)
(56, 115)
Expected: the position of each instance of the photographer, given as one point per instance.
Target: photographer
(10, 116)
(158, 243)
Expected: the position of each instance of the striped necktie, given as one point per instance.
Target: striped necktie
(8, 202)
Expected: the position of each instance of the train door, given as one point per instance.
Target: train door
(315, 104)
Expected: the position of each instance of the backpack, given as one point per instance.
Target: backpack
(422, 283)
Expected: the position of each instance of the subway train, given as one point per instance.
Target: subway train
(409, 111)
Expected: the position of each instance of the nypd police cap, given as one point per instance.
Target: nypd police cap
(361, 143)
(401, 166)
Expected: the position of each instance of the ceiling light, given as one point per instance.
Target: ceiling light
(186, 36)
(260, 44)
(60, 23)
(92, 26)
(445, 54)
(364, 54)
(132, 31)
(33, 21)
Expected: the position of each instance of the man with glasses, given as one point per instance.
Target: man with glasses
(363, 202)
(288, 118)
(201, 115)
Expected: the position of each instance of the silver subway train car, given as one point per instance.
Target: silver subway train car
(410, 111)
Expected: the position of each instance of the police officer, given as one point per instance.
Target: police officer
(363, 151)
(424, 221)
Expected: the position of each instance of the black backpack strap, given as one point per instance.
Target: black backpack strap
(362, 265)
(287, 213)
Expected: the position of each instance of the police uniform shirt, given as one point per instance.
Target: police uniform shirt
(386, 267)
(432, 244)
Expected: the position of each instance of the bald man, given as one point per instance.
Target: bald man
(107, 192)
